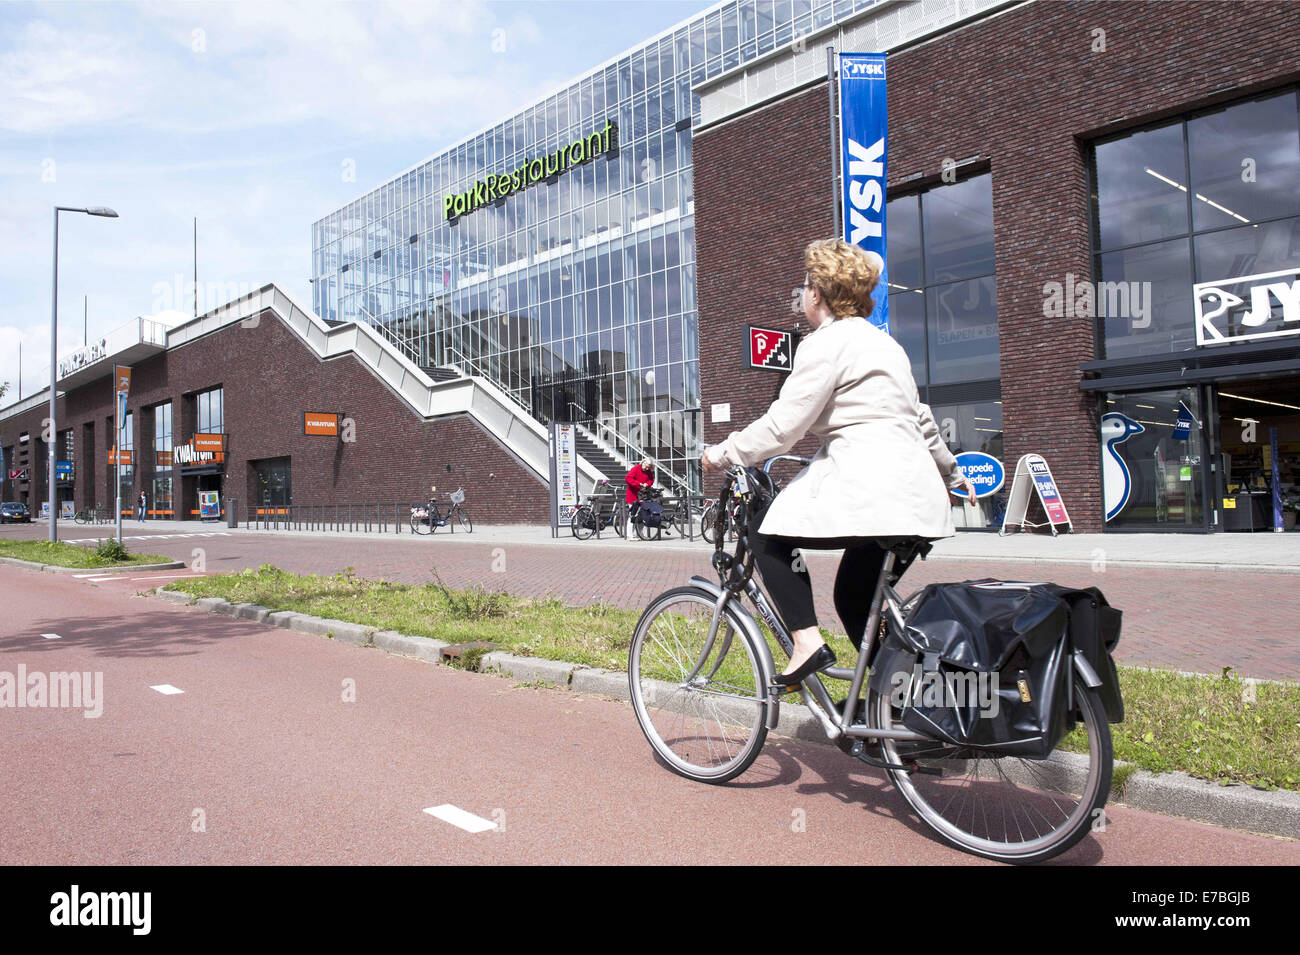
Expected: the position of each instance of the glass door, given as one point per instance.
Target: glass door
(1153, 460)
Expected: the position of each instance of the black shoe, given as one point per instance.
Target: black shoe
(823, 658)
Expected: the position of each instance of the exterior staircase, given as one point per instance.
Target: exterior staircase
(604, 462)
(441, 372)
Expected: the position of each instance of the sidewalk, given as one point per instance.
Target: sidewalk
(1267, 552)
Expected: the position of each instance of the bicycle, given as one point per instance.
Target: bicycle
(644, 531)
(92, 515)
(428, 518)
(701, 672)
(591, 517)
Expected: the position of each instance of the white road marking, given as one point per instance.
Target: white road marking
(167, 577)
(166, 689)
(94, 576)
(51, 636)
(459, 817)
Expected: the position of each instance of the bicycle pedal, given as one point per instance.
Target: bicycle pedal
(780, 689)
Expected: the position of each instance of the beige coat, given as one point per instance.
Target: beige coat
(882, 467)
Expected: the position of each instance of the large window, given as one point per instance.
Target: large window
(208, 405)
(943, 311)
(1207, 197)
(943, 297)
(160, 501)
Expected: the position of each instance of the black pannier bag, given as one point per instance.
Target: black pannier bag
(651, 514)
(986, 664)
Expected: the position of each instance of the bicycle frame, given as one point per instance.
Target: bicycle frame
(835, 723)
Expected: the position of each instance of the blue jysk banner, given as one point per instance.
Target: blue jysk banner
(863, 145)
(1183, 428)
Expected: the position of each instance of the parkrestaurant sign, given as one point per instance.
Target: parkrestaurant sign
(581, 150)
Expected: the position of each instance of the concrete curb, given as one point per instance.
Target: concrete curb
(1234, 806)
(55, 569)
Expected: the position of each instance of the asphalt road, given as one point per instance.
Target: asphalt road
(289, 748)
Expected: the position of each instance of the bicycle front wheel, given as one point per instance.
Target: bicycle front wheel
(1008, 808)
(463, 519)
(702, 707)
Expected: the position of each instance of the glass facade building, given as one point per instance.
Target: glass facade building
(571, 286)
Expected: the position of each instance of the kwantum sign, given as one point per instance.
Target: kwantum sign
(1248, 308)
(323, 425)
(581, 150)
(203, 450)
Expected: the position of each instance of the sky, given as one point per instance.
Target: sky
(257, 117)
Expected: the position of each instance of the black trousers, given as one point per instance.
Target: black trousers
(785, 576)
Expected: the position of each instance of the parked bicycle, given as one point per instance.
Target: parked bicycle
(701, 671)
(425, 519)
(710, 530)
(92, 515)
(604, 509)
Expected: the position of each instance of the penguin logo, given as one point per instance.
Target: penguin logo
(1205, 320)
(1116, 484)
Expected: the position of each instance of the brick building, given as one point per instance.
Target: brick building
(1043, 242)
(245, 376)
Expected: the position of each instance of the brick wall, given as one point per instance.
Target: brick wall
(1025, 91)
(269, 379)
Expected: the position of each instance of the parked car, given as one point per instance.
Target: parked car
(15, 512)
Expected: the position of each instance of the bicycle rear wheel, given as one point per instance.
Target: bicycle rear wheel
(1008, 808)
(583, 522)
(421, 525)
(705, 714)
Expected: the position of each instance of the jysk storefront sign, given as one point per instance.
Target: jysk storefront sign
(984, 471)
(863, 145)
(1247, 308)
(583, 149)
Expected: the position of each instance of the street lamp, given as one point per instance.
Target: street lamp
(54, 347)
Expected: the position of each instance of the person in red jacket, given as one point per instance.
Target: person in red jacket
(641, 475)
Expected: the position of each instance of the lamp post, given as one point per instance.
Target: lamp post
(54, 355)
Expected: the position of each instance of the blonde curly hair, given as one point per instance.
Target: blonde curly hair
(844, 274)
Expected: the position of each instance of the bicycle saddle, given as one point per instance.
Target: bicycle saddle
(906, 547)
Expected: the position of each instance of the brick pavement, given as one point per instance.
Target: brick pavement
(1185, 619)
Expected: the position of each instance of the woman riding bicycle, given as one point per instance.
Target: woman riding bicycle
(881, 469)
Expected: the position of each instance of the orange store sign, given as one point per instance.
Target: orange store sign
(324, 425)
(202, 449)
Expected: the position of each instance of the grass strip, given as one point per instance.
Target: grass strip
(1221, 729)
(74, 555)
